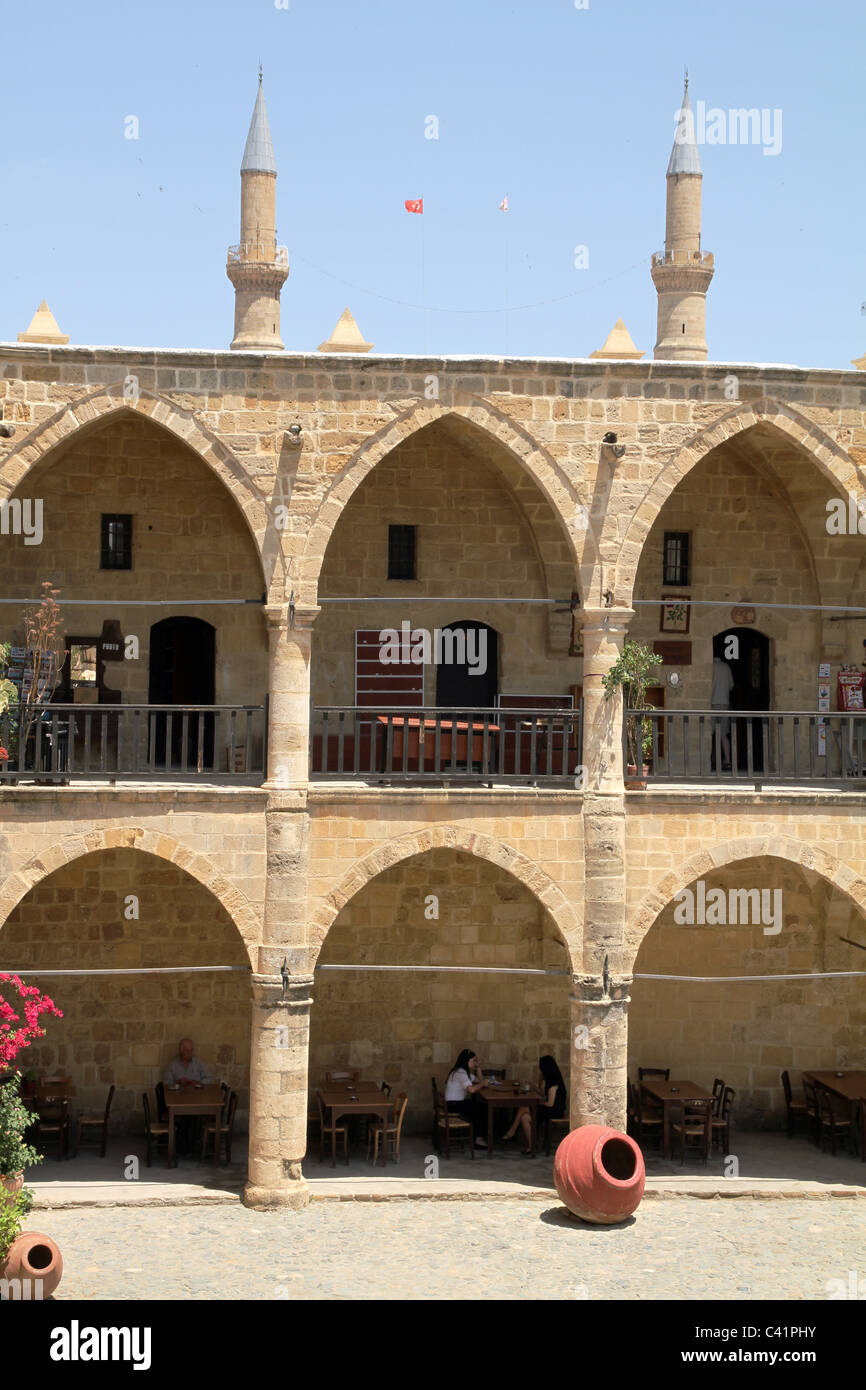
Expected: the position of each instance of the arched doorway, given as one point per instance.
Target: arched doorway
(747, 653)
(182, 671)
(467, 673)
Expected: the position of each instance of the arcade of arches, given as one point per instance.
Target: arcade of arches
(753, 501)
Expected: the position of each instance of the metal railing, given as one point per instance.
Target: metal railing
(66, 742)
(682, 258)
(797, 747)
(465, 745)
(265, 252)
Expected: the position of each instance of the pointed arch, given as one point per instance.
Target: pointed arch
(108, 403)
(831, 459)
(235, 903)
(798, 852)
(536, 463)
(539, 884)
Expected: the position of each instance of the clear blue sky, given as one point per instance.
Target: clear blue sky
(570, 112)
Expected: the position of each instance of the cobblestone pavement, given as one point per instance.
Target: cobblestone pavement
(683, 1249)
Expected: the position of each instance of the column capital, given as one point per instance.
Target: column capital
(289, 617)
(616, 619)
(268, 991)
(601, 991)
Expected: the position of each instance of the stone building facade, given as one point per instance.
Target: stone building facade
(261, 486)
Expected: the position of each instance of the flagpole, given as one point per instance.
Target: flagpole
(506, 280)
(423, 300)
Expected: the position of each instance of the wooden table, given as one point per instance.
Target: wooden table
(194, 1100)
(850, 1085)
(363, 1099)
(670, 1094)
(459, 742)
(506, 1097)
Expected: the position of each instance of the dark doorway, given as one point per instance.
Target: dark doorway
(456, 686)
(750, 667)
(182, 672)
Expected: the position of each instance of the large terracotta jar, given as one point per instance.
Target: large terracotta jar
(34, 1257)
(599, 1174)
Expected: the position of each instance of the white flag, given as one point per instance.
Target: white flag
(503, 206)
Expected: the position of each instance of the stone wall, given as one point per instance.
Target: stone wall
(748, 1033)
(405, 1028)
(189, 541)
(125, 1029)
(474, 538)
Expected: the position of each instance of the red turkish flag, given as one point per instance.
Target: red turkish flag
(414, 205)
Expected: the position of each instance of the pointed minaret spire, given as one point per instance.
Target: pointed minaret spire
(257, 266)
(683, 271)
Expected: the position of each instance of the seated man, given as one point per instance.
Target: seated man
(186, 1070)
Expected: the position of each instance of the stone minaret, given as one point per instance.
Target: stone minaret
(682, 273)
(258, 267)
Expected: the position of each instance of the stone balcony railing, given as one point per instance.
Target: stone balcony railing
(258, 253)
(683, 258)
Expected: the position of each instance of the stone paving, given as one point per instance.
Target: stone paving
(768, 1165)
(689, 1249)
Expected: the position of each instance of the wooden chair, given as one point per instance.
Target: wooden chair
(444, 1122)
(795, 1109)
(226, 1129)
(647, 1120)
(153, 1133)
(562, 1122)
(52, 1117)
(810, 1091)
(98, 1122)
(328, 1127)
(722, 1120)
(161, 1107)
(694, 1121)
(350, 1076)
(834, 1116)
(718, 1092)
(663, 1072)
(392, 1131)
(385, 1089)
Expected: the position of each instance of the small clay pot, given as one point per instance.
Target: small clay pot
(13, 1184)
(33, 1256)
(599, 1174)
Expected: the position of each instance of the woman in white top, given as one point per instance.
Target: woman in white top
(461, 1084)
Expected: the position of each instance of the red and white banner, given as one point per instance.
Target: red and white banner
(503, 206)
(414, 205)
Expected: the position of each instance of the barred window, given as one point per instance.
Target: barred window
(401, 552)
(675, 569)
(116, 541)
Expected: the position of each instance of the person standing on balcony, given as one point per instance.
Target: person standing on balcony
(720, 698)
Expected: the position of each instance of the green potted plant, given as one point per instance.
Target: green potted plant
(632, 673)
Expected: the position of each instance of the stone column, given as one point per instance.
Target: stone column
(289, 694)
(599, 1050)
(278, 1092)
(604, 631)
(600, 996)
(283, 984)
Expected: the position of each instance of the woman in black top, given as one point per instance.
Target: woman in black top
(554, 1106)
